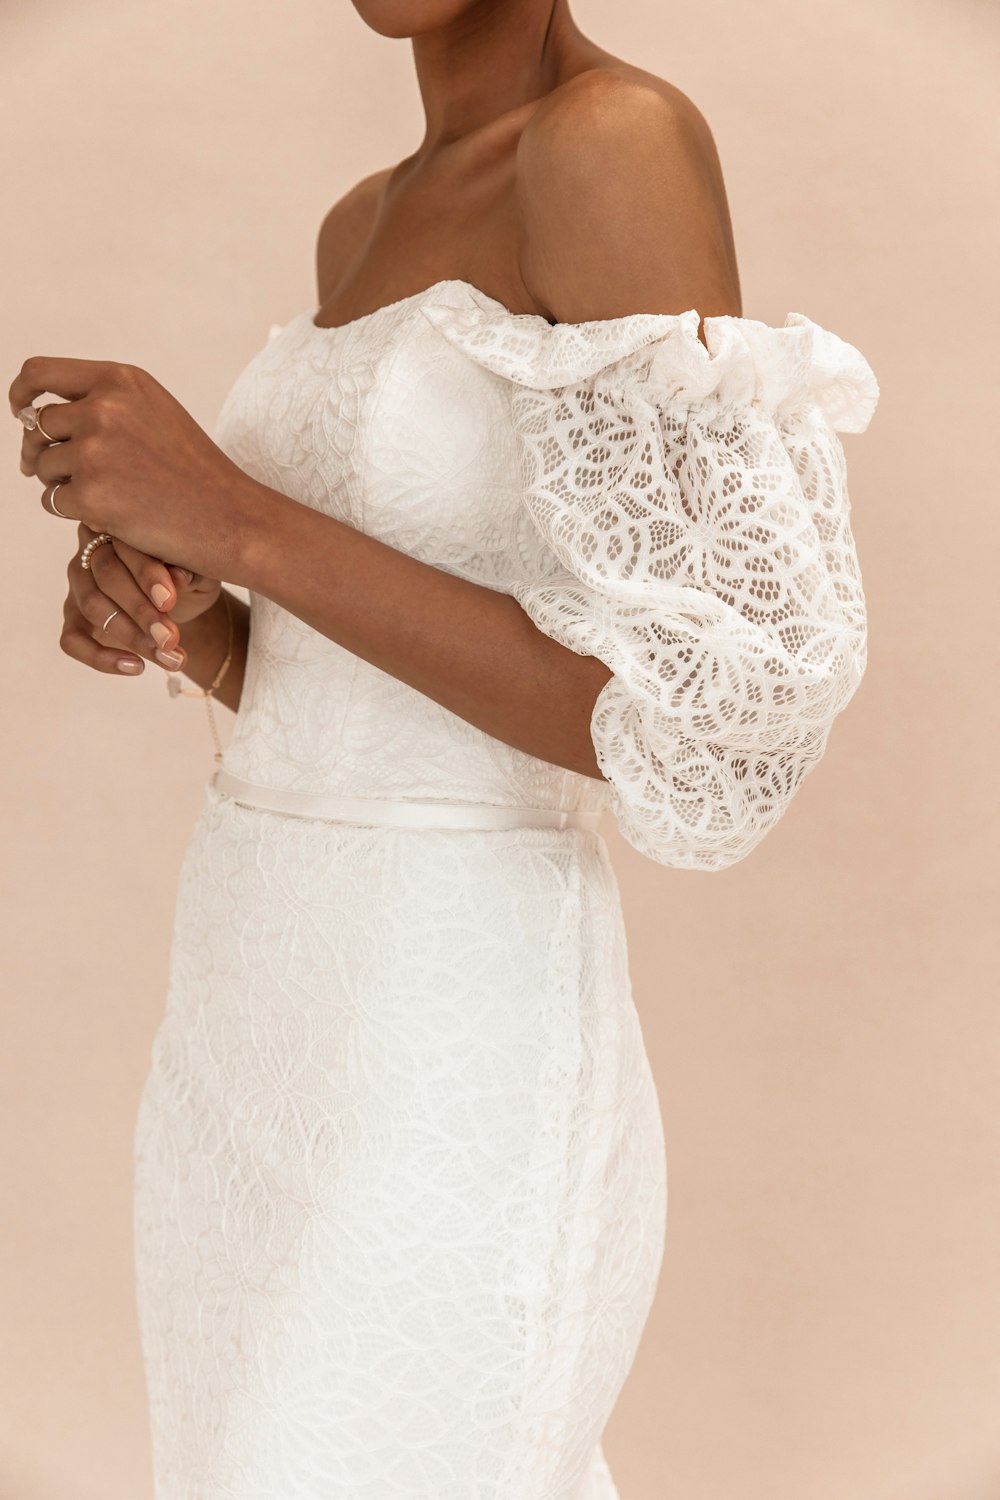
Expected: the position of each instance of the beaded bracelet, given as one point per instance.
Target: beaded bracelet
(175, 690)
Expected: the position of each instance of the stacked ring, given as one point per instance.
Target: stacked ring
(30, 417)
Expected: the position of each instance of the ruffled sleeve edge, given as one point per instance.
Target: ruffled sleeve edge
(746, 362)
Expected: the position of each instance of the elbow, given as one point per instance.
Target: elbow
(711, 806)
(591, 760)
(679, 846)
(588, 762)
(689, 802)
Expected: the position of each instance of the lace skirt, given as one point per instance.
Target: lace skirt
(400, 1178)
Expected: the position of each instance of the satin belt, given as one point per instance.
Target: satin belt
(399, 814)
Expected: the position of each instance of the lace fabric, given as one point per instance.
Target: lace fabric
(400, 1185)
(400, 1176)
(695, 509)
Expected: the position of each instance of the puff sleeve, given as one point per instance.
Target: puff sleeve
(695, 512)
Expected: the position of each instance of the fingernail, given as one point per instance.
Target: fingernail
(159, 594)
(186, 574)
(160, 632)
(126, 665)
(169, 658)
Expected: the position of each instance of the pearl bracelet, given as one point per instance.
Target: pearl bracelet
(175, 690)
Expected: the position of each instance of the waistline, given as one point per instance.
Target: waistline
(385, 812)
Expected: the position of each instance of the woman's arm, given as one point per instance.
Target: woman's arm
(470, 648)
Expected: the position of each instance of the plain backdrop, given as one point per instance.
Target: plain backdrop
(822, 1018)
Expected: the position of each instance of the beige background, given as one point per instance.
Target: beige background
(822, 1017)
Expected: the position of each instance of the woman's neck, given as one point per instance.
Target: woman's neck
(491, 61)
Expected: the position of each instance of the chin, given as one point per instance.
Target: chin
(413, 17)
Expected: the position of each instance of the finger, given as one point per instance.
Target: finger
(61, 505)
(108, 585)
(69, 378)
(139, 626)
(77, 642)
(60, 420)
(151, 575)
(57, 504)
(64, 506)
(56, 461)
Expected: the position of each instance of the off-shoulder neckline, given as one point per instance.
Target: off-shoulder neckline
(744, 359)
(481, 298)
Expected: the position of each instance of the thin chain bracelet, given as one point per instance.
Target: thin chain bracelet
(175, 690)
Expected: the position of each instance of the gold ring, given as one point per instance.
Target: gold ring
(41, 429)
(52, 502)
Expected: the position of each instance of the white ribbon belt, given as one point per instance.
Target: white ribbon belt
(399, 814)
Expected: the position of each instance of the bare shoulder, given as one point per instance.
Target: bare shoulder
(622, 202)
(604, 100)
(345, 227)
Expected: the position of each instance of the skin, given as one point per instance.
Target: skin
(554, 176)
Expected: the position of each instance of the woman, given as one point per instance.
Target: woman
(534, 523)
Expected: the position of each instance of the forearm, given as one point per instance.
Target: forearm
(205, 640)
(470, 648)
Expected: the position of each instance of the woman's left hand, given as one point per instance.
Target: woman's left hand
(133, 462)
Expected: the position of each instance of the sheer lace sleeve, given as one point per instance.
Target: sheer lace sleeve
(695, 511)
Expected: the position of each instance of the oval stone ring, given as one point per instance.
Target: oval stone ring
(29, 416)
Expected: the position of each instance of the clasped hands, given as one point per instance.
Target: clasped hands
(131, 461)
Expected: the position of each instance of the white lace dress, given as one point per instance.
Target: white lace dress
(400, 1181)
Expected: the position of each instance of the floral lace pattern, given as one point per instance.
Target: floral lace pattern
(400, 1177)
(695, 509)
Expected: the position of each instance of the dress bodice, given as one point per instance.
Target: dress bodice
(386, 426)
(681, 513)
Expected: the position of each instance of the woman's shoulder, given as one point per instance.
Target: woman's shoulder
(623, 202)
(345, 226)
(613, 94)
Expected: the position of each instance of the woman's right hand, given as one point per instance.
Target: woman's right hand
(120, 577)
